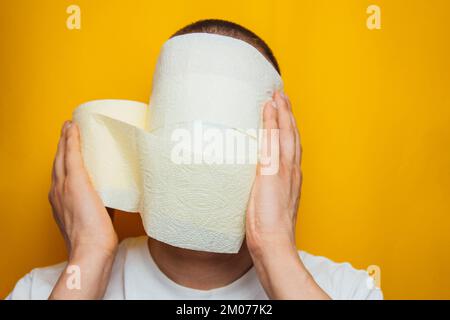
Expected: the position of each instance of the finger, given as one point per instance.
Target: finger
(270, 116)
(58, 172)
(269, 139)
(298, 146)
(73, 159)
(287, 133)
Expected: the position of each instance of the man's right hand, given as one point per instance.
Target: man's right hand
(83, 220)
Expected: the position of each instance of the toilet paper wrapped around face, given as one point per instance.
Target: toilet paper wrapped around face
(187, 161)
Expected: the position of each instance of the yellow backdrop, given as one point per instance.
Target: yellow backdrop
(373, 108)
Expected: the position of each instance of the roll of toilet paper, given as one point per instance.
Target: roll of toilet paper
(187, 161)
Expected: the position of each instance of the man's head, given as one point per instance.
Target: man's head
(230, 29)
(210, 84)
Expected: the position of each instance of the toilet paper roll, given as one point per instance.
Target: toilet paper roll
(130, 150)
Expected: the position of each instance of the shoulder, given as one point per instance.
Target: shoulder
(39, 282)
(340, 280)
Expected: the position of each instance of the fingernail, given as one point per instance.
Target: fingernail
(274, 104)
(69, 124)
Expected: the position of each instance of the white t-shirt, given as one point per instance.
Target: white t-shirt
(136, 276)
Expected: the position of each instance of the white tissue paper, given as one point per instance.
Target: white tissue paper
(203, 84)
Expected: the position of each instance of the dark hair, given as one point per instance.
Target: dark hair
(231, 29)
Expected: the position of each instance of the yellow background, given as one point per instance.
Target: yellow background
(373, 108)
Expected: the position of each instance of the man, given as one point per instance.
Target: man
(267, 266)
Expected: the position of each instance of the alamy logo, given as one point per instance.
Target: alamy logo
(73, 21)
(374, 279)
(212, 145)
(73, 281)
(374, 19)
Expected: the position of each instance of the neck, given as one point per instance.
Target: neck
(197, 269)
